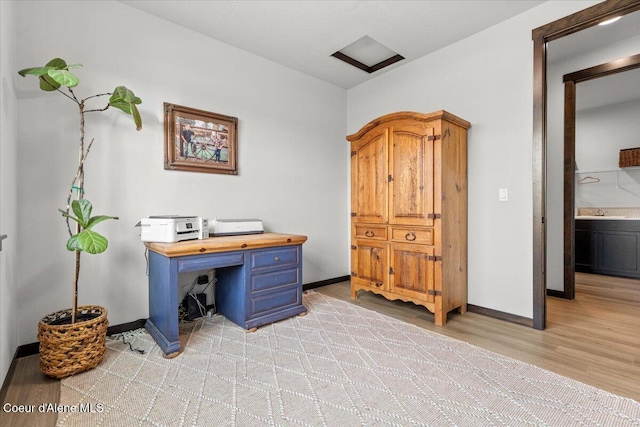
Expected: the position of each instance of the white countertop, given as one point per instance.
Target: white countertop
(610, 217)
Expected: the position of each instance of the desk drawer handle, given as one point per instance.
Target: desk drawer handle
(369, 233)
(410, 236)
(277, 259)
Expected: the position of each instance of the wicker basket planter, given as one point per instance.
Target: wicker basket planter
(68, 349)
(629, 157)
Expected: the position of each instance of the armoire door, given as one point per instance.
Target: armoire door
(411, 173)
(369, 264)
(412, 271)
(369, 178)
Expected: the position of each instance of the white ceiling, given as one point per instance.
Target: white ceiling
(303, 34)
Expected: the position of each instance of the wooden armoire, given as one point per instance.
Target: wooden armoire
(409, 210)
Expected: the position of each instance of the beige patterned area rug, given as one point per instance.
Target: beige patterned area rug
(340, 365)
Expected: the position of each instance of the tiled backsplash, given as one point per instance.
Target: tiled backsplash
(630, 212)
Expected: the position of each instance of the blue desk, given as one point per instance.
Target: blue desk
(259, 280)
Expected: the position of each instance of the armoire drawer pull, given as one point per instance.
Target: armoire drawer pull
(369, 233)
(277, 259)
(410, 236)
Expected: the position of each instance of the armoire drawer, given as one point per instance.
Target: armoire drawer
(412, 235)
(366, 231)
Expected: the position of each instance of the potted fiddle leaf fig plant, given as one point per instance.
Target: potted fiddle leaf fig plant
(73, 340)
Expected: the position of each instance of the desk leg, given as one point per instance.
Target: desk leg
(163, 302)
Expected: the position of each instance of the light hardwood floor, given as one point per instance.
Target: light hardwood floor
(594, 339)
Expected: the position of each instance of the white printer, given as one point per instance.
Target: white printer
(173, 228)
(232, 227)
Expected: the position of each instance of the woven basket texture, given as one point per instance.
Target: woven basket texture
(629, 157)
(67, 350)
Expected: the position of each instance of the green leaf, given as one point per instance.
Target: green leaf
(82, 208)
(53, 75)
(57, 63)
(72, 243)
(124, 99)
(121, 105)
(54, 64)
(48, 84)
(98, 219)
(136, 116)
(64, 78)
(123, 93)
(92, 242)
(36, 71)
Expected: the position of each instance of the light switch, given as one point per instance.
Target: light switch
(503, 194)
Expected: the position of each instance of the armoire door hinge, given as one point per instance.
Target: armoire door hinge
(353, 153)
(434, 137)
(353, 214)
(389, 178)
(432, 292)
(434, 216)
(354, 274)
(434, 258)
(353, 247)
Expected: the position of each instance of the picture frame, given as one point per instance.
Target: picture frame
(200, 141)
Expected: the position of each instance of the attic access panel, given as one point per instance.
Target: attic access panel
(366, 51)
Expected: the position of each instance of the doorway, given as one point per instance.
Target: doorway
(616, 236)
(541, 37)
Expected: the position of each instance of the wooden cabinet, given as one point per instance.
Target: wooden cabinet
(409, 210)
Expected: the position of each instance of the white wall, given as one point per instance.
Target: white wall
(600, 135)
(555, 144)
(292, 172)
(486, 79)
(8, 188)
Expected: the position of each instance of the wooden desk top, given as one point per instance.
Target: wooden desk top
(225, 244)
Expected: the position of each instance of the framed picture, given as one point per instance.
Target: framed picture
(200, 141)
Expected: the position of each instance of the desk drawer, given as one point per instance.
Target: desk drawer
(276, 301)
(209, 261)
(275, 279)
(275, 258)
